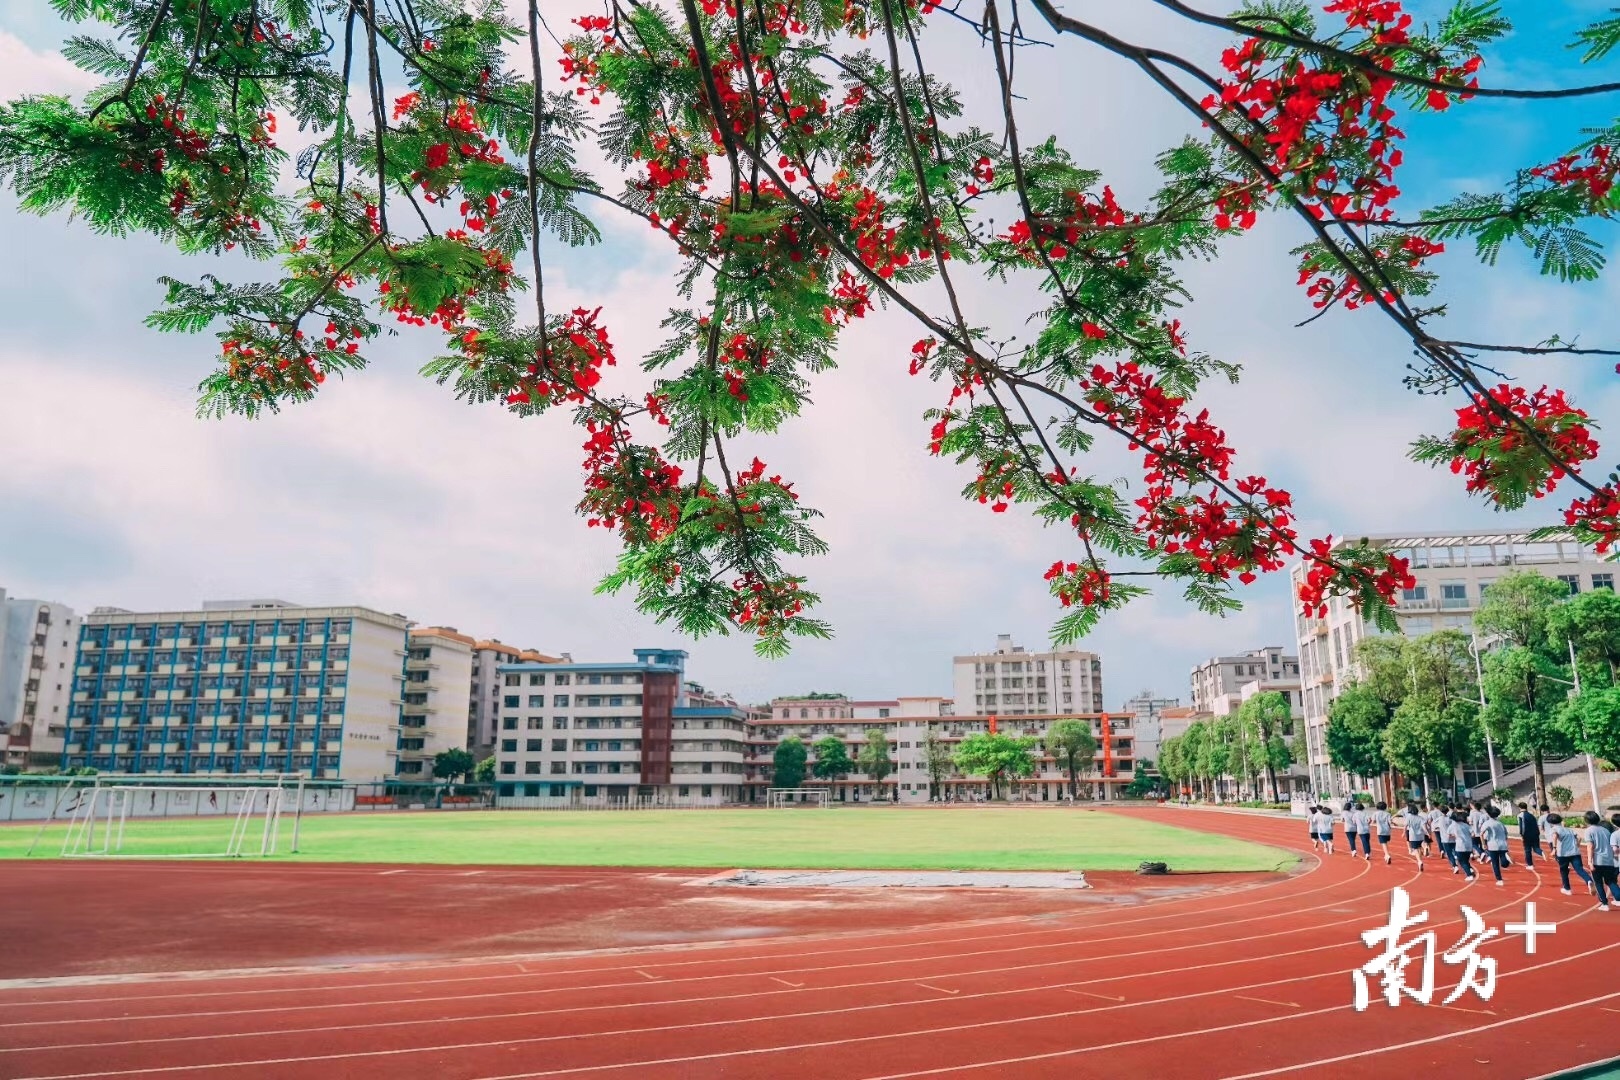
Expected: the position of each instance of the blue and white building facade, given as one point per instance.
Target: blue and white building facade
(239, 688)
(628, 732)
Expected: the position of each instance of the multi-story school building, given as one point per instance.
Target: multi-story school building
(484, 701)
(627, 732)
(245, 687)
(38, 640)
(433, 716)
(911, 725)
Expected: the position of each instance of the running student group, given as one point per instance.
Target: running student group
(1477, 829)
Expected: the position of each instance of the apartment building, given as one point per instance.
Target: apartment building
(1225, 676)
(633, 731)
(239, 687)
(1453, 571)
(1012, 682)
(1147, 710)
(433, 714)
(912, 724)
(484, 701)
(38, 641)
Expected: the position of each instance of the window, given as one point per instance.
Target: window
(559, 791)
(559, 766)
(559, 679)
(538, 701)
(508, 746)
(1453, 594)
(531, 768)
(537, 680)
(559, 722)
(508, 723)
(535, 723)
(534, 745)
(1571, 580)
(1603, 581)
(883, 714)
(559, 745)
(590, 790)
(513, 680)
(508, 768)
(560, 701)
(707, 791)
(510, 701)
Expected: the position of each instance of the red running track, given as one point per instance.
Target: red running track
(1250, 982)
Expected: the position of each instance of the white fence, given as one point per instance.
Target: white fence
(59, 802)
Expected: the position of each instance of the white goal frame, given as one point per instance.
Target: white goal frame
(97, 823)
(778, 798)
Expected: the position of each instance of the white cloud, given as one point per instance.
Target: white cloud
(24, 70)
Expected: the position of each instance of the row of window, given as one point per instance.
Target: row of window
(590, 791)
(563, 678)
(560, 701)
(185, 635)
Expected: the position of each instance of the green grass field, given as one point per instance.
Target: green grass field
(839, 838)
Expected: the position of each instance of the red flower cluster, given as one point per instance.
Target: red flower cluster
(1051, 233)
(628, 487)
(741, 356)
(1349, 573)
(1328, 127)
(1071, 583)
(1495, 454)
(1596, 174)
(1184, 453)
(1598, 515)
(571, 365)
(579, 63)
(875, 241)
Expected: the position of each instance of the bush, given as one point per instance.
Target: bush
(1503, 794)
(1562, 798)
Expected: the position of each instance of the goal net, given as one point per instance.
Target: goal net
(136, 820)
(779, 798)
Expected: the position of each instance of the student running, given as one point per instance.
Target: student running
(1529, 834)
(1567, 850)
(1600, 846)
(1381, 822)
(1364, 830)
(1417, 833)
(1444, 836)
(1495, 841)
(1462, 845)
(1325, 823)
(1315, 829)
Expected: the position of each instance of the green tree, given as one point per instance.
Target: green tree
(1355, 731)
(484, 771)
(1195, 750)
(1143, 781)
(995, 757)
(1173, 763)
(874, 759)
(437, 178)
(787, 763)
(1070, 742)
(1592, 621)
(1519, 609)
(832, 758)
(938, 759)
(1591, 722)
(1271, 719)
(1526, 701)
(453, 764)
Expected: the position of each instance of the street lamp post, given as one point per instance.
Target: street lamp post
(1591, 767)
(1490, 749)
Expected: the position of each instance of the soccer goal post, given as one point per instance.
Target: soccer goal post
(131, 819)
(780, 797)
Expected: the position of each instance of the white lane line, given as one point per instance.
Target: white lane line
(323, 1006)
(1162, 910)
(1268, 1001)
(784, 982)
(764, 1050)
(122, 1000)
(1088, 993)
(940, 989)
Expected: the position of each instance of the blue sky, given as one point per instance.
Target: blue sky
(387, 492)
